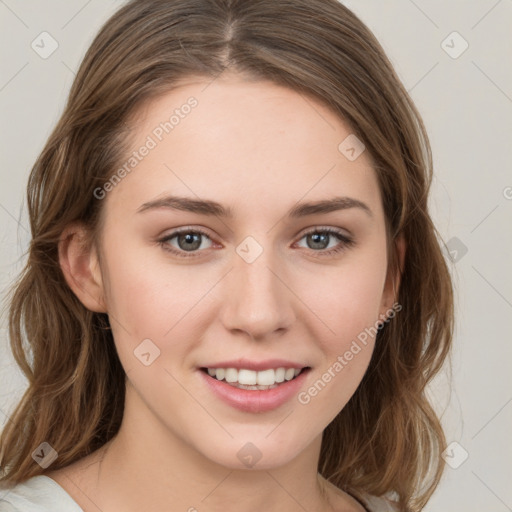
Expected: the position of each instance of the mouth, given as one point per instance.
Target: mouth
(262, 388)
(252, 380)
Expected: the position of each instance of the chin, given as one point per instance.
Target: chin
(256, 451)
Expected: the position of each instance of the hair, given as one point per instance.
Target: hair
(388, 438)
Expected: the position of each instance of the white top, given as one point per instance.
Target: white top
(43, 494)
(37, 494)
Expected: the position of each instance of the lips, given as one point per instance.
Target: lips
(254, 386)
(255, 365)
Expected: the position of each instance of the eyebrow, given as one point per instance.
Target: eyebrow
(209, 207)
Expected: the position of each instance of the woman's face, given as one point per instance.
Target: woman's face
(248, 172)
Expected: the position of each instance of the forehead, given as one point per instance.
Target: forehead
(255, 143)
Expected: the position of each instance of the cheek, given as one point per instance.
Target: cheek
(138, 300)
(145, 297)
(349, 309)
(352, 309)
(347, 300)
(157, 301)
(352, 315)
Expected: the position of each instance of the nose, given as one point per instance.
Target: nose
(257, 298)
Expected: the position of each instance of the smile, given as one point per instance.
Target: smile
(252, 390)
(254, 380)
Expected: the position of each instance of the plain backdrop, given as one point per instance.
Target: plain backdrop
(454, 59)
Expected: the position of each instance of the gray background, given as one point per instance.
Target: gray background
(466, 103)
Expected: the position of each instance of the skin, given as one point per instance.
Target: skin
(258, 148)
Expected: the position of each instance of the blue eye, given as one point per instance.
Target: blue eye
(189, 242)
(320, 237)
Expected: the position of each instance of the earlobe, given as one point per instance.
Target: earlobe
(79, 262)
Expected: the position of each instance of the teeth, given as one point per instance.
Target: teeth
(264, 378)
(231, 375)
(250, 379)
(289, 374)
(280, 373)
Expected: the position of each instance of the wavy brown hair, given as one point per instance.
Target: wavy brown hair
(388, 438)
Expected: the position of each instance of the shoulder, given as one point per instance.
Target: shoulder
(379, 504)
(358, 499)
(37, 494)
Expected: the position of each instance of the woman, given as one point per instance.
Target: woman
(235, 295)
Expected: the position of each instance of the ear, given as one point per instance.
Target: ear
(80, 265)
(393, 278)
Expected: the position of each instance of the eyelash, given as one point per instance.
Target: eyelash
(346, 242)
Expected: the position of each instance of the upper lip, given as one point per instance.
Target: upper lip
(256, 365)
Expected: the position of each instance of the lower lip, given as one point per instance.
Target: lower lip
(255, 400)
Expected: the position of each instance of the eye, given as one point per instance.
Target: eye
(186, 240)
(321, 238)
